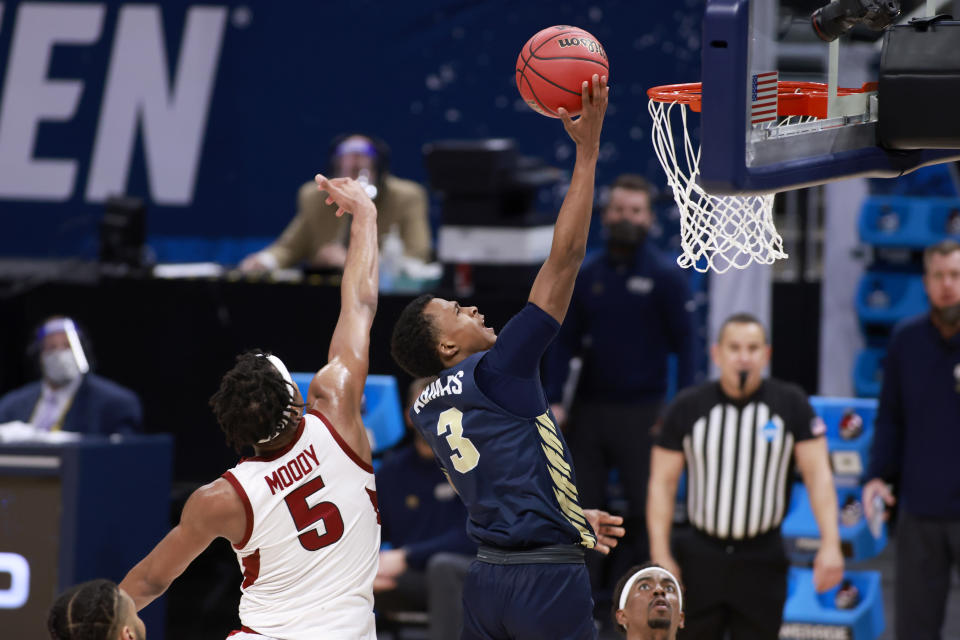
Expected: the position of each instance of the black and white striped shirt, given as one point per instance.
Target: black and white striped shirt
(739, 454)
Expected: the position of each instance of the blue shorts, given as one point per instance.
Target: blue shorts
(527, 602)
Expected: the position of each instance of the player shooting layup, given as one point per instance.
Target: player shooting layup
(302, 514)
(487, 419)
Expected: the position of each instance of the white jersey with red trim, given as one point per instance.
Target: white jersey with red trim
(310, 551)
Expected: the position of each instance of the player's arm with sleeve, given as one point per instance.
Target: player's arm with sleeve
(212, 511)
(813, 460)
(553, 286)
(666, 465)
(337, 389)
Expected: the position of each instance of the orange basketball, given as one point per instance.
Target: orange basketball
(552, 66)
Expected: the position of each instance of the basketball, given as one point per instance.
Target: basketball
(552, 66)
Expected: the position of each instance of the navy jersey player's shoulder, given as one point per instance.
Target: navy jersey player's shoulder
(448, 385)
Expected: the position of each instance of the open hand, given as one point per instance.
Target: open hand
(349, 195)
(607, 528)
(585, 130)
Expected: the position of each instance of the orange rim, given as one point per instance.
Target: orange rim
(793, 98)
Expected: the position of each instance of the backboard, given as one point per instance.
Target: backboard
(747, 46)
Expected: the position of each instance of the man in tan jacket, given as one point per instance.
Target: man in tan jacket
(317, 237)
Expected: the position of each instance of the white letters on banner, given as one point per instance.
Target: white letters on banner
(15, 596)
(140, 94)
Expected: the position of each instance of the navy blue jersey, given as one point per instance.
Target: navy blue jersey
(514, 474)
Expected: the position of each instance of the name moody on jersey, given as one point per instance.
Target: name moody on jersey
(286, 475)
(438, 388)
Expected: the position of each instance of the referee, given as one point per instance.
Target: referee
(739, 438)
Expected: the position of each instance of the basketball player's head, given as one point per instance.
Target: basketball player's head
(95, 610)
(257, 401)
(433, 334)
(648, 603)
(941, 279)
(741, 353)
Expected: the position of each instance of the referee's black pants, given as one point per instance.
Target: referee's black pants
(736, 587)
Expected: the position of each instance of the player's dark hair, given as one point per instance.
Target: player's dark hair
(251, 401)
(632, 182)
(622, 582)
(741, 317)
(88, 611)
(943, 248)
(413, 344)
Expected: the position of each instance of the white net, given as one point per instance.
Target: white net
(716, 232)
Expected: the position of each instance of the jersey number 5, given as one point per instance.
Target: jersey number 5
(305, 516)
(465, 456)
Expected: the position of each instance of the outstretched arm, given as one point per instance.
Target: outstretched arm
(554, 284)
(212, 511)
(338, 386)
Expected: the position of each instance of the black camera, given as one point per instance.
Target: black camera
(835, 19)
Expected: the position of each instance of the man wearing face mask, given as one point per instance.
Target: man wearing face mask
(915, 448)
(70, 397)
(631, 308)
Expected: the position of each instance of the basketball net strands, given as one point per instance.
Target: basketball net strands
(721, 232)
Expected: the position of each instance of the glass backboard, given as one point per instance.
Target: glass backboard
(751, 45)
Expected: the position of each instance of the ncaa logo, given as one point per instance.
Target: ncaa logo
(16, 566)
(769, 431)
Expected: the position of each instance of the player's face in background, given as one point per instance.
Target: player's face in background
(742, 346)
(628, 205)
(350, 164)
(941, 279)
(653, 603)
(461, 329)
(131, 626)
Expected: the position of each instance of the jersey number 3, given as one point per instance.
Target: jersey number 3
(465, 456)
(305, 516)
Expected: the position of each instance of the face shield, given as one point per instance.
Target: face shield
(62, 365)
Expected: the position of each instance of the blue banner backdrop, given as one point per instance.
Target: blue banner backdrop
(216, 113)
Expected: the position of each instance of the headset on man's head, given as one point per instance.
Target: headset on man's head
(381, 157)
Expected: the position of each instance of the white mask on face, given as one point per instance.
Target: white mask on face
(60, 367)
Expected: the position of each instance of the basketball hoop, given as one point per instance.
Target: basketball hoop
(722, 232)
